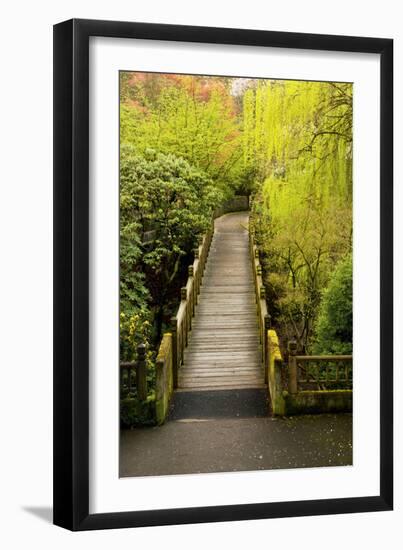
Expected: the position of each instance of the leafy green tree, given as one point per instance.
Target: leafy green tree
(334, 328)
(135, 314)
(166, 194)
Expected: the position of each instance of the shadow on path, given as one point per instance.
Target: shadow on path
(242, 403)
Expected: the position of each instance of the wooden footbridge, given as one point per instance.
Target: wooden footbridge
(220, 338)
(224, 350)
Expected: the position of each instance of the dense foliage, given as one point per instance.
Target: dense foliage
(165, 196)
(334, 329)
(298, 140)
(188, 143)
(190, 117)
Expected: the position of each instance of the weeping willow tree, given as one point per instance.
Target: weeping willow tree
(299, 135)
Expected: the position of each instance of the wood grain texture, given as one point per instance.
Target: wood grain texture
(224, 350)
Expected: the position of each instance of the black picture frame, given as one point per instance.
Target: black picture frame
(71, 274)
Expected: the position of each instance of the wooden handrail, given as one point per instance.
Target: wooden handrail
(324, 357)
(321, 375)
(137, 368)
(182, 322)
(260, 292)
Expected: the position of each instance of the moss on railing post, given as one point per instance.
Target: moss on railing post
(193, 289)
(292, 367)
(163, 379)
(174, 331)
(184, 295)
(267, 325)
(262, 298)
(197, 274)
(141, 374)
(160, 390)
(274, 367)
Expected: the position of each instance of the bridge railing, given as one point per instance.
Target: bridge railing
(306, 383)
(318, 383)
(260, 291)
(133, 375)
(321, 372)
(164, 383)
(181, 323)
(275, 373)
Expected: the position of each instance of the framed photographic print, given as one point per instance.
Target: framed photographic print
(223, 334)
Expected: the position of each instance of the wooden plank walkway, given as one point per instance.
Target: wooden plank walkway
(224, 351)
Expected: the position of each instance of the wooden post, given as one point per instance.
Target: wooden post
(192, 301)
(267, 324)
(174, 330)
(185, 318)
(141, 374)
(198, 271)
(159, 379)
(265, 346)
(292, 367)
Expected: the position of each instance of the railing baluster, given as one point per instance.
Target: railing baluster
(267, 324)
(185, 315)
(174, 331)
(326, 369)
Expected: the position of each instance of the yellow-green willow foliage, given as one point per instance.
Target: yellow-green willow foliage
(299, 134)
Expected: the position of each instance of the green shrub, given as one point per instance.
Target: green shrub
(165, 194)
(334, 327)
